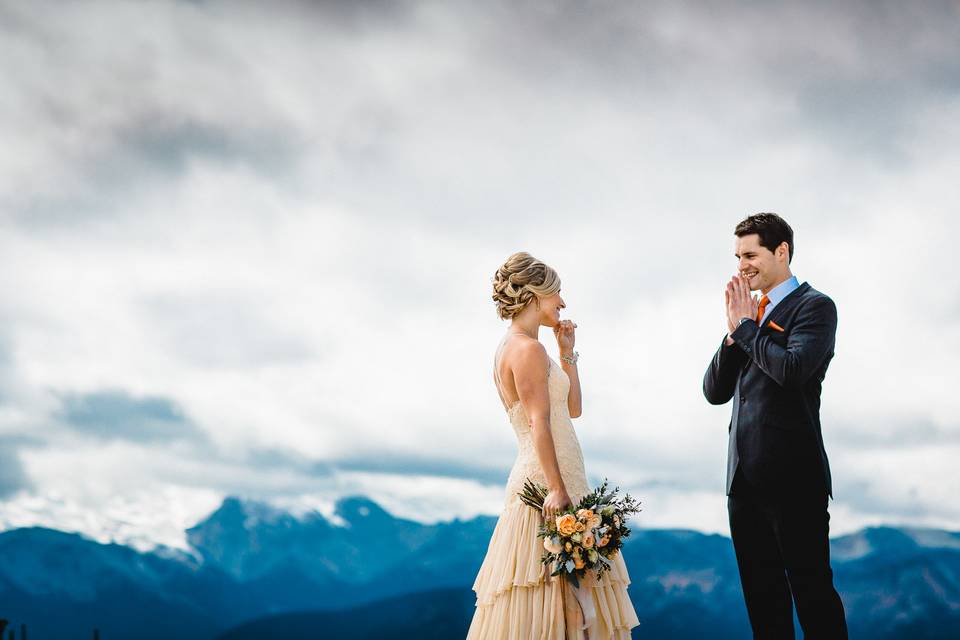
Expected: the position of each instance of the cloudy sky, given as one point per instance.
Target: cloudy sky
(247, 250)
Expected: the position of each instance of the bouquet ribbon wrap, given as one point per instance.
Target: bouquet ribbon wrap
(579, 611)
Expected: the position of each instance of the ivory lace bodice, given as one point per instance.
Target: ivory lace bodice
(565, 442)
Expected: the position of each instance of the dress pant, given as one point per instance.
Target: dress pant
(783, 547)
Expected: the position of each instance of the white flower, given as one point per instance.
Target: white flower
(552, 544)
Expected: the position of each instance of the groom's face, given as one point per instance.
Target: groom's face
(757, 264)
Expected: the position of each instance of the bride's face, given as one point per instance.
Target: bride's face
(550, 310)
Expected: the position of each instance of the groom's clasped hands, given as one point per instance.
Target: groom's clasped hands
(739, 303)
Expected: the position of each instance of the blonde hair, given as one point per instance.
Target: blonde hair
(519, 280)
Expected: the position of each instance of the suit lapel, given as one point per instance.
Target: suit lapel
(788, 302)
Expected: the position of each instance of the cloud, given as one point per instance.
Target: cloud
(909, 484)
(434, 466)
(895, 432)
(249, 251)
(219, 330)
(13, 478)
(115, 414)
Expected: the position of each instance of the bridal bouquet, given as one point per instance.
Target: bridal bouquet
(585, 537)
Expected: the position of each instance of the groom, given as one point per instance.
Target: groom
(772, 364)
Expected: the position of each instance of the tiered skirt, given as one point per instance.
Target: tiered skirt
(517, 599)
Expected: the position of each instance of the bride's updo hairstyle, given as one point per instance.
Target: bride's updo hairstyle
(518, 280)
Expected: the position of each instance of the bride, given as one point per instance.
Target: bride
(516, 596)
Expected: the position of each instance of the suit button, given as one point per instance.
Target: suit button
(742, 399)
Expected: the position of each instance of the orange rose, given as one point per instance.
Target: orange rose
(585, 514)
(588, 541)
(604, 541)
(566, 524)
(581, 527)
(578, 563)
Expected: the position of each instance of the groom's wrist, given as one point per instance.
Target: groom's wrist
(744, 333)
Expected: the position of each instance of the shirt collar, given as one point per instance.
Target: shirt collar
(782, 290)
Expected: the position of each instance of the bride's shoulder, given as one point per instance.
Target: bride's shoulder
(525, 353)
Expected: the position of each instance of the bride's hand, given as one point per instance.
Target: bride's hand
(566, 337)
(555, 502)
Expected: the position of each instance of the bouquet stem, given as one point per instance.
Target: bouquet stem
(533, 495)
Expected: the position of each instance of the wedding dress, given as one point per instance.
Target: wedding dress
(517, 599)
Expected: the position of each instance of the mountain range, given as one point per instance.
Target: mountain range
(255, 571)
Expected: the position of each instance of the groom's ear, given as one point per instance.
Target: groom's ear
(783, 251)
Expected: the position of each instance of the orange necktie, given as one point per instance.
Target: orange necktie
(764, 301)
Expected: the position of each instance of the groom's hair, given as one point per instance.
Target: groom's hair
(772, 230)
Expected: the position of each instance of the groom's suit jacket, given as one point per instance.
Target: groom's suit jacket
(774, 378)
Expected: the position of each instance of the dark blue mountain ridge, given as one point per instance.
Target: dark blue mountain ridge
(250, 561)
(58, 583)
(425, 615)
